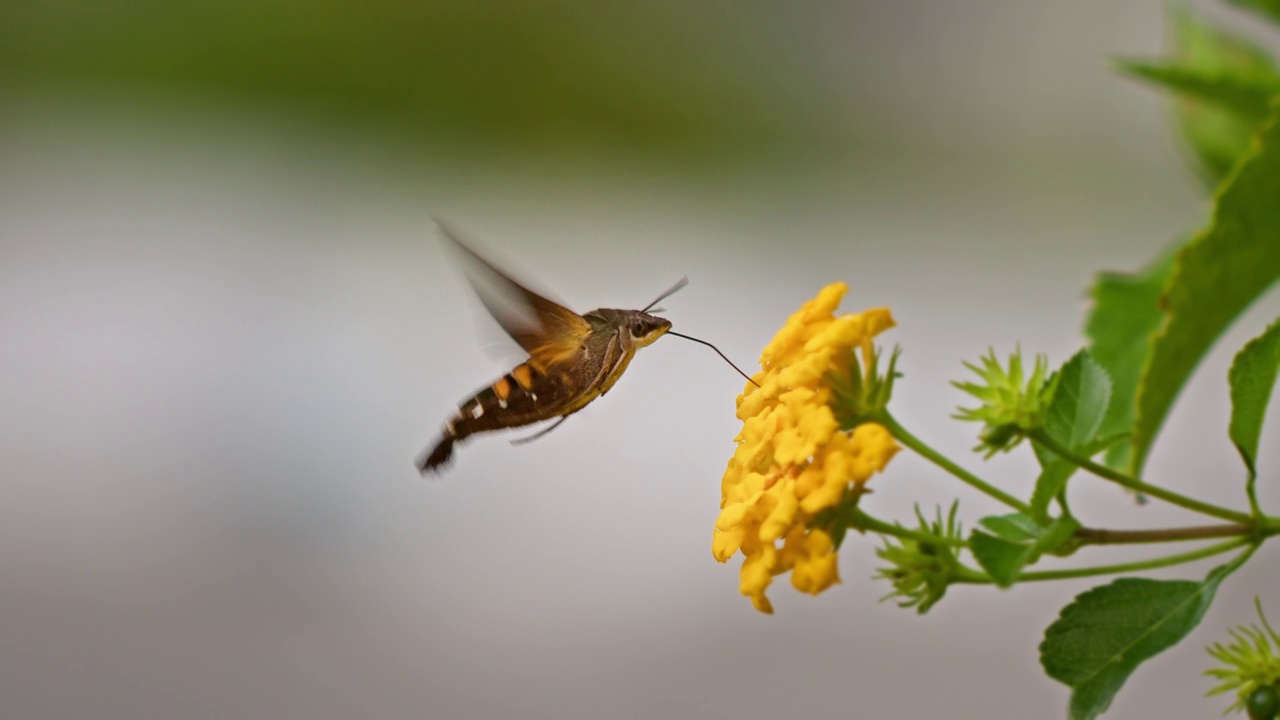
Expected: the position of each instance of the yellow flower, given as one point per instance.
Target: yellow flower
(792, 459)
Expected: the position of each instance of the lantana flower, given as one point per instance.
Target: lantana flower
(793, 459)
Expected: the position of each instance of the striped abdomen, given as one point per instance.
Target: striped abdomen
(521, 397)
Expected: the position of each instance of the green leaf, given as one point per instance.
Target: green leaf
(1014, 527)
(1000, 558)
(1018, 541)
(1107, 632)
(1269, 8)
(1252, 377)
(1217, 135)
(1223, 83)
(1126, 313)
(1079, 402)
(1245, 93)
(1215, 277)
(1073, 418)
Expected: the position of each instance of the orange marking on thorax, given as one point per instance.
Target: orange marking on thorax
(502, 388)
(523, 375)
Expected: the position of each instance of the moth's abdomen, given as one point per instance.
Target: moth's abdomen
(438, 456)
(521, 397)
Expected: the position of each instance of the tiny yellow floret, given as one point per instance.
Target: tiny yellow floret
(792, 459)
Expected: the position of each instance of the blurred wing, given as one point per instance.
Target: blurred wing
(550, 332)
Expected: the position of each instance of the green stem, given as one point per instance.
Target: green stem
(1269, 525)
(1251, 490)
(1123, 568)
(901, 435)
(1096, 536)
(1119, 478)
(1152, 564)
(863, 522)
(965, 575)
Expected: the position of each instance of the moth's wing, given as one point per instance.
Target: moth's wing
(550, 332)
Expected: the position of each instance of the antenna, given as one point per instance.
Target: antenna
(713, 347)
(674, 289)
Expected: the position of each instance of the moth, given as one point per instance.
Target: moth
(573, 359)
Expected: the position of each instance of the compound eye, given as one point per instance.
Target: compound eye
(637, 328)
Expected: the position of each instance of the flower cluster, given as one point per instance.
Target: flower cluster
(793, 459)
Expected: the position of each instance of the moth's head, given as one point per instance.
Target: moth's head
(645, 328)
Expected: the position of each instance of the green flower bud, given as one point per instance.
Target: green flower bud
(1010, 408)
(1251, 668)
(921, 569)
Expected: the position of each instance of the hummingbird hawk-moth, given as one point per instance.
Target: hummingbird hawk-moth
(573, 359)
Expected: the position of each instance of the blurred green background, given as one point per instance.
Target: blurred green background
(228, 328)
(678, 80)
(684, 84)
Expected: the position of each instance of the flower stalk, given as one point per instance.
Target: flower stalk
(902, 435)
(1123, 480)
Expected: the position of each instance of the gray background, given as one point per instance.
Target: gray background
(229, 327)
